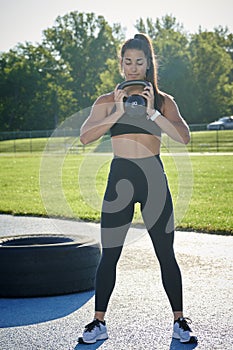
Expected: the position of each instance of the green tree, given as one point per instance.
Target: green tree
(18, 87)
(171, 45)
(84, 42)
(30, 93)
(77, 61)
(196, 69)
(109, 78)
(211, 72)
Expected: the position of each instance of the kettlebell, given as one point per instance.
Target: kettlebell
(134, 104)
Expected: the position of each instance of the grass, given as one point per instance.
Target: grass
(19, 183)
(201, 141)
(72, 186)
(210, 208)
(208, 141)
(217, 141)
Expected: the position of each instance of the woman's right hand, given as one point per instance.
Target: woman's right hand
(119, 95)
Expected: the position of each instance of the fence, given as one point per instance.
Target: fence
(67, 140)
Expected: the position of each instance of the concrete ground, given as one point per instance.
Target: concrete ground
(139, 315)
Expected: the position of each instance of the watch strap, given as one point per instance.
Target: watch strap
(155, 115)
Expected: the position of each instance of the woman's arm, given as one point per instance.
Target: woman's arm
(171, 122)
(101, 119)
(98, 122)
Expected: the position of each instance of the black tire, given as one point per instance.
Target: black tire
(47, 264)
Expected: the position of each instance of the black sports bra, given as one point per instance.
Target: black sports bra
(128, 124)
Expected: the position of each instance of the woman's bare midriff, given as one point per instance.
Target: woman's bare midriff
(135, 145)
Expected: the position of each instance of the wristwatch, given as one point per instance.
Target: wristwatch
(155, 115)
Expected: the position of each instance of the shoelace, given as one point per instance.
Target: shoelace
(90, 326)
(184, 323)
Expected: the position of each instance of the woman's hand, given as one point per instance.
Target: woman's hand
(119, 95)
(148, 94)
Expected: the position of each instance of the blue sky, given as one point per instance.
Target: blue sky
(24, 20)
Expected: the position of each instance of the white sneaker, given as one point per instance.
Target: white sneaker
(182, 331)
(96, 330)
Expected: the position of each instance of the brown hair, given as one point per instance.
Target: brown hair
(143, 43)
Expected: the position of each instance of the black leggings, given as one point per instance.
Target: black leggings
(130, 181)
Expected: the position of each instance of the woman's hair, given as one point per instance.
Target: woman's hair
(143, 43)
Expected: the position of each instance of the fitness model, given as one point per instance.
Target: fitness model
(135, 113)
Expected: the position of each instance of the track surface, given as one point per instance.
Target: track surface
(139, 316)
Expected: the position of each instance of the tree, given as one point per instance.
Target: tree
(18, 87)
(84, 42)
(40, 86)
(196, 69)
(211, 70)
(29, 91)
(171, 45)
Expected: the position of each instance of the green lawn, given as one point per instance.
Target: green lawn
(201, 141)
(73, 185)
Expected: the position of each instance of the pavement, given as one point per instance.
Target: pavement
(139, 315)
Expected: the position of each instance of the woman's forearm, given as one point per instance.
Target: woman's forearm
(93, 130)
(177, 130)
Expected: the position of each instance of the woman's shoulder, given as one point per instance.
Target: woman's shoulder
(167, 99)
(106, 98)
(165, 96)
(168, 102)
(169, 105)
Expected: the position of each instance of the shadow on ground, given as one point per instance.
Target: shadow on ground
(177, 345)
(89, 346)
(27, 311)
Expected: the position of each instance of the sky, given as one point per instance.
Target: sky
(25, 20)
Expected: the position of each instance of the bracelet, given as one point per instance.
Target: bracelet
(154, 116)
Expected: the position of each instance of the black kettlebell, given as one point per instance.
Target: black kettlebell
(134, 104)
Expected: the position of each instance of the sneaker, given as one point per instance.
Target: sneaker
(96, 330)
(182, 331)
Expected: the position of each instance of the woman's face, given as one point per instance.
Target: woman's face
(134, 65)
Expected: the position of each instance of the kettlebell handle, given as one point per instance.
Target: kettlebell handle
(127, 83)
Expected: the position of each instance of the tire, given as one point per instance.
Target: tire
(47, 264)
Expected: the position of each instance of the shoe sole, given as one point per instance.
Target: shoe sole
(103, 336)
(192, 339)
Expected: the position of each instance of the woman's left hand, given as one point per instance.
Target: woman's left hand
(148, 94)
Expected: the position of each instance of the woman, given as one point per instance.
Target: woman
(136, 175)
